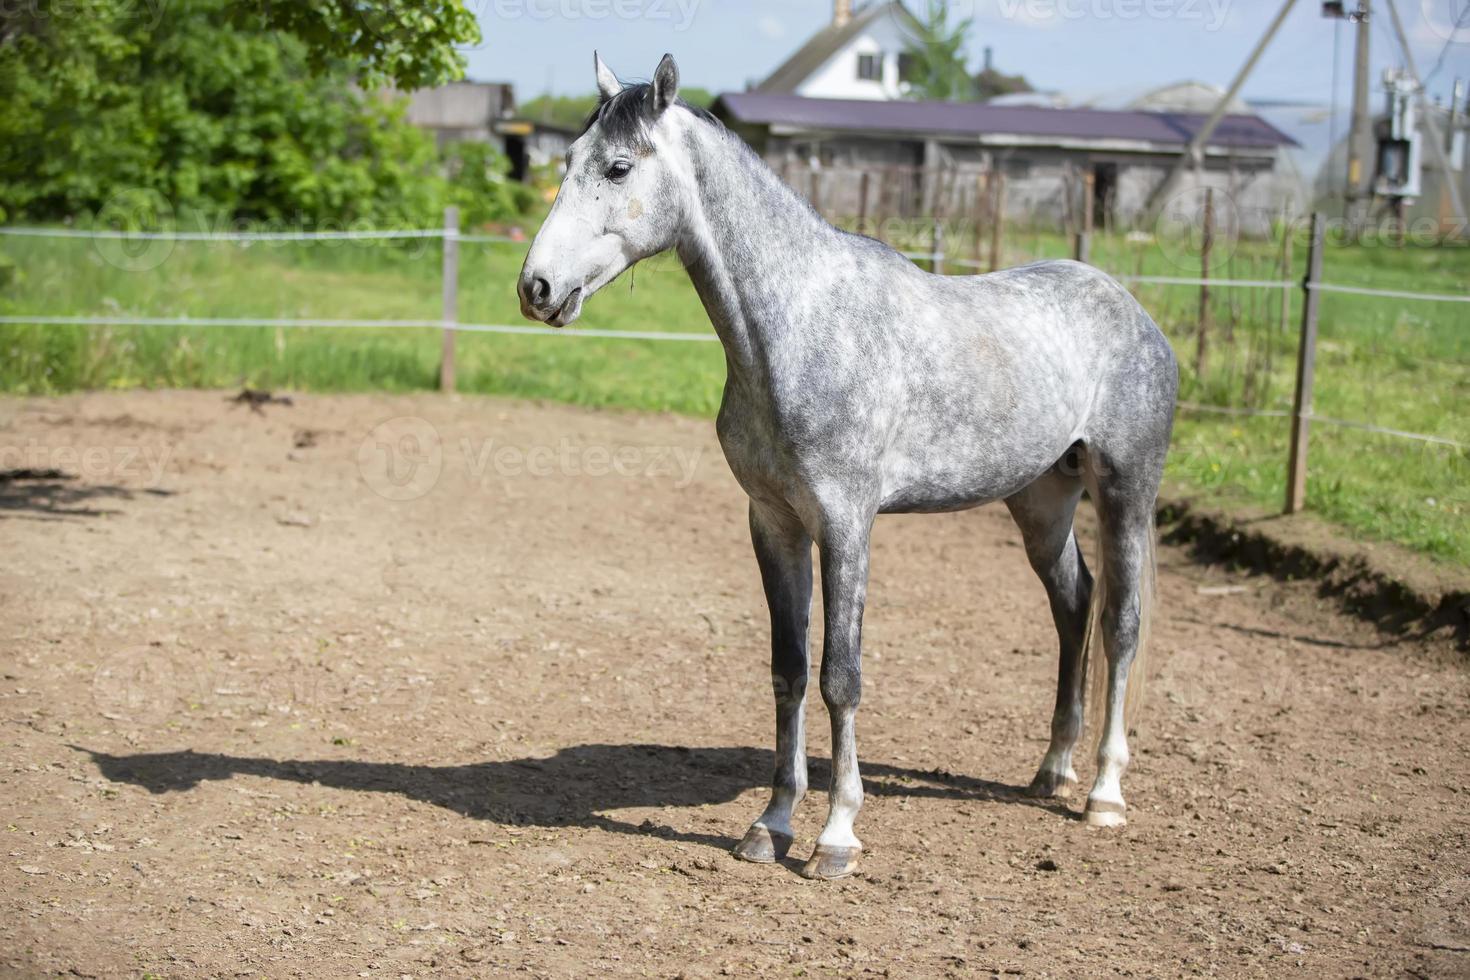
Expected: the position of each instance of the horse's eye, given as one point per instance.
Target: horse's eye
(619, 170)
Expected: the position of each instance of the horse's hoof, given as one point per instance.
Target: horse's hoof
(828, 862)
(1104, 813)
(762, 846)
(1051, 786)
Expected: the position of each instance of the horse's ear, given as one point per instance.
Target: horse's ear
(665, 84)
(607, 82)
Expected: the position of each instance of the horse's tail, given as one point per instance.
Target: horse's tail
(1094, 659)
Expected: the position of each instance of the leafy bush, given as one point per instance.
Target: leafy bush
(476, 173)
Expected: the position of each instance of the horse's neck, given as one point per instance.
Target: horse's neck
(749, 242)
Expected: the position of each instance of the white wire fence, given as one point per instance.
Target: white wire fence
(1301, 415)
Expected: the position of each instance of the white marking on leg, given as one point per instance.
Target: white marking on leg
(847, 785)
(1105, 804)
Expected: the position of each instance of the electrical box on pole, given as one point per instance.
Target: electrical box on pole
(1399, 144)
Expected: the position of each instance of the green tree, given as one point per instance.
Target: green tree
(211, 107)
(991, 83)
(478, 184)
(936, 63)
(410, 43)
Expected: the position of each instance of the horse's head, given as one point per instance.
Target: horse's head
(619, 202)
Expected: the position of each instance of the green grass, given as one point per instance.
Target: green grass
(1398, 364)
(343, 281)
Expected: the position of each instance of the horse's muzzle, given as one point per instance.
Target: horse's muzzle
(539, 302)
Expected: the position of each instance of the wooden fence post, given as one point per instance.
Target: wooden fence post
(862, 225)
(1306, 369)
(1083, 251)
(998, 219)
(982, 195)
(1201, 351)
(936, 252)
(450, 297)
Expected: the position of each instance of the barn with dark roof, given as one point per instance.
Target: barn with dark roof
(838, 120)
(930, 157)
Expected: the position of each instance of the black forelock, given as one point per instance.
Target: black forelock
(625, 117)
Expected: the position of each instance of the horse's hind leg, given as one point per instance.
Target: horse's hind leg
(1125, 499)
(1044, 512)
(784, 551)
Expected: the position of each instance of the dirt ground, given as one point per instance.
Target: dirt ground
(413, 686)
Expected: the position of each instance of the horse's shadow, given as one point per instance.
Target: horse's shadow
(53, 495)
(577, 787)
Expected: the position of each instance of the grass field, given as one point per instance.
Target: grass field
(1393, 363)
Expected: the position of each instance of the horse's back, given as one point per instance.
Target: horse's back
(1005, 372)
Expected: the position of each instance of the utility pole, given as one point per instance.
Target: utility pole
(1358, 132)
(1435, 142)
(1193, 155)
(1457, 95)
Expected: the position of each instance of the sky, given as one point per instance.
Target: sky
(1083, 48)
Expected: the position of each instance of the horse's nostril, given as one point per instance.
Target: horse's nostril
(540, 291)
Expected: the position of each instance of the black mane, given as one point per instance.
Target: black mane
(626, 116)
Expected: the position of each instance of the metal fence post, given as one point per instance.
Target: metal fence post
(1207, 245)
(1306, 369)
(450, 297)
(1286, 233)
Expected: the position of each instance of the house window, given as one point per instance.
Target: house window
(870, 67)
(906, 67)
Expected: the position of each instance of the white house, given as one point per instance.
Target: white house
(859, 55)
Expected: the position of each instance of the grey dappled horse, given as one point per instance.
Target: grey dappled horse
(859, 384)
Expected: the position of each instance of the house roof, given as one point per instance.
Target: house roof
(978, 119)
(827, 42)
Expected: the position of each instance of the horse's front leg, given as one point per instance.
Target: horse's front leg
(844, 557)
(784, 551)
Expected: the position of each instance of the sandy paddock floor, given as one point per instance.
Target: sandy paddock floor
(412, 686)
